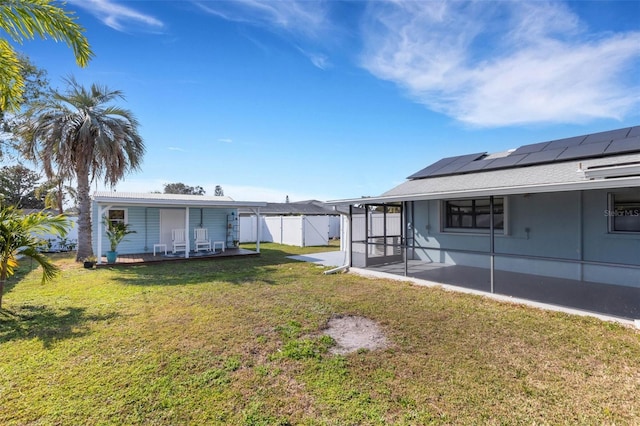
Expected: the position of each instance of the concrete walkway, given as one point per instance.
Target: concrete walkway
(327, 258)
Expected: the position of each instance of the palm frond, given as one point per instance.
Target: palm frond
(11, 80)
(25, 19)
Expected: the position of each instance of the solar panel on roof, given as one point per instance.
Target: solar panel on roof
(449, 169)
(434, 169)
(606, 136)
(534, 147)
(635, 131)
(508, 161)
(475, 166)
(564, 143)
(541, 157)
(624, 145)
(595, 145)
(582, 151)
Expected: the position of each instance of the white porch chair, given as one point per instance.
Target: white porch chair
(179, 240)
(201, 236)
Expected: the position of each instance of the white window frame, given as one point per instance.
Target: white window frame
(126, 215)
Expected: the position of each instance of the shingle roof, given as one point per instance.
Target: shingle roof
(514, 179)
(541, 167)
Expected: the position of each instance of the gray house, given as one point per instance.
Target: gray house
(556, 222)
(156, 217)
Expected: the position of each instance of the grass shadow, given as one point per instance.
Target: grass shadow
(26, 265)
(46, 324)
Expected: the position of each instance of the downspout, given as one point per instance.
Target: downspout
(347, 263)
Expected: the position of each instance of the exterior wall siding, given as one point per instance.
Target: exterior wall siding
(146, 222)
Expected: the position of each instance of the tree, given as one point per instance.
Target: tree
(19, 238)
(181, 188)
(54, 193)
(218, 191)
(36, 88)
(19, 187)
(25, 19)
(79, 134)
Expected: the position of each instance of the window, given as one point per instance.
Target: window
(472, 214)
(117, 215)
(624, 212)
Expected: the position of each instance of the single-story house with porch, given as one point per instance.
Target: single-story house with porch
(555, 222)
(155, 217)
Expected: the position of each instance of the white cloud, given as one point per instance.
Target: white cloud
(225, 140)
(305, 20)
(300, 17)
(502, 63)
(117, 16)
(319, 60)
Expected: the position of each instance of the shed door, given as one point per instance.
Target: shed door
(170, 219)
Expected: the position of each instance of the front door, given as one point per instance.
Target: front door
(170, 219)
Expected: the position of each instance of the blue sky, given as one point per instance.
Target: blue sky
(331, 100)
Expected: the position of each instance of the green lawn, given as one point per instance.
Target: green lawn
(238, 342)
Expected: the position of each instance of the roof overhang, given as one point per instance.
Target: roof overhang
(624, 182)
(193, 201)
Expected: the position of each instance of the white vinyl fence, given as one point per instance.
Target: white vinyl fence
(69, 242)
(301, 231)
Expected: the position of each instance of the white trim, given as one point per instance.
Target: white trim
(613, 171)
(498, 191)
(173, 201)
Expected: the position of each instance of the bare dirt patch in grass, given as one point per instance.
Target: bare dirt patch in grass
(353, 333)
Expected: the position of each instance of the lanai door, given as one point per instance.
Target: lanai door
(170, 219)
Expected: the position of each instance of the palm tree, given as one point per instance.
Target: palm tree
(19, 237)
(25, 19)
(77, 134)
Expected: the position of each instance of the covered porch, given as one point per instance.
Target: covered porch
(168, 225)
(160, 257)
(612, 300)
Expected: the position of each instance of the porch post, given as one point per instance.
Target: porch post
(101, 211)
(581, 221)
(187, 247)
(491, 241)
(403, 238)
